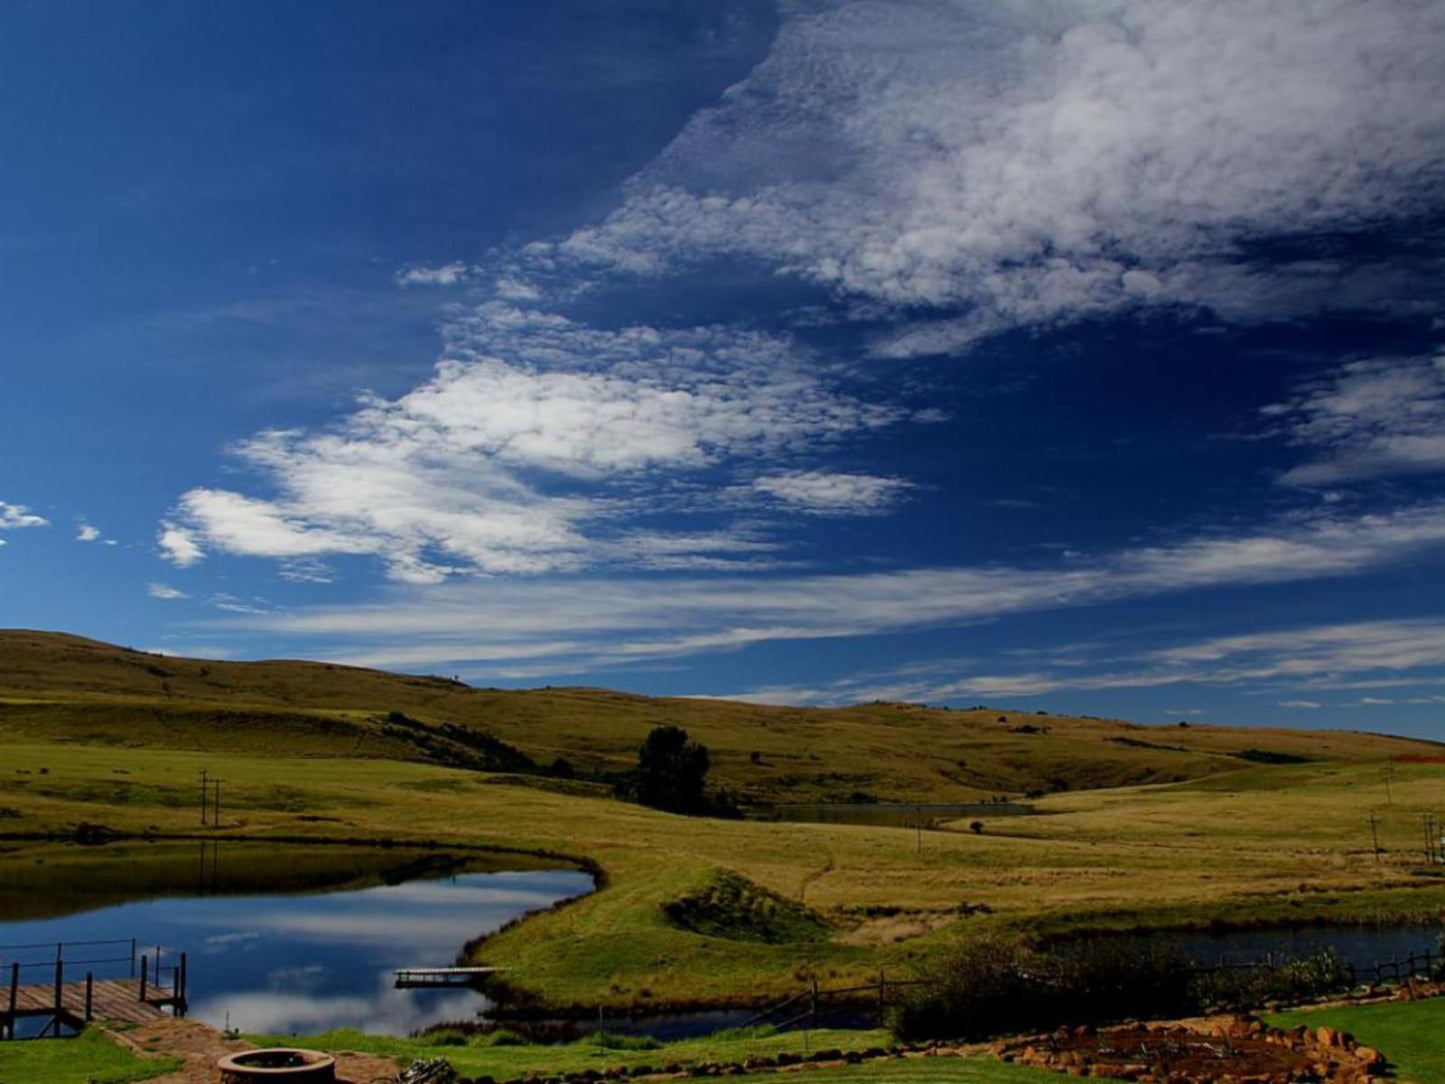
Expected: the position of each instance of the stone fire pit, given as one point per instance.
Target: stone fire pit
(279, 1064)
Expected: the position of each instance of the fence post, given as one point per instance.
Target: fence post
(182, 992)
(89, 993)
(14, 984)
(142, 977)
(59, 979)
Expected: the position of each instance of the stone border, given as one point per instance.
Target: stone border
(1325, 1054)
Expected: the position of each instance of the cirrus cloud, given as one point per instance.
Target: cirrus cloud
(1009, 164)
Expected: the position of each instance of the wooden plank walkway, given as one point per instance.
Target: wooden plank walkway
(111, 999)
(411, 978)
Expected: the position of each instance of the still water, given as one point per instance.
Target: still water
(1362, 946)
(313, 950)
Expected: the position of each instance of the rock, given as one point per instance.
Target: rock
(1369, 1057)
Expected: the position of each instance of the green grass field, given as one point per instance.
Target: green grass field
(979, 1070)
(90, 1058)
(1245, 842)
(486, 1057)
(1410, 1033)
(1144, 856)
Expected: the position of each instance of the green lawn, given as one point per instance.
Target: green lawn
(89, 1057)
(504, 1056)
(979, 1070)
(1410, 1033)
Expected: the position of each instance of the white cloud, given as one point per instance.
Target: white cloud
(1021, 163)
(236, 605)
(445, 275)
(17, 516)
(1412, 652)
(86, 533)
(531, 444)
(178, 545)
(1369, 419)
(165, 591)
(828, 493)
(601, 621)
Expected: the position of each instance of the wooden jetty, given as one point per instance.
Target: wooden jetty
(424, 978)
(60, 1003)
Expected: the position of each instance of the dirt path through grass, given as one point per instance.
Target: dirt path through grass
(201, 1045)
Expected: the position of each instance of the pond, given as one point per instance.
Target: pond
(278, 940)
(1363, 946)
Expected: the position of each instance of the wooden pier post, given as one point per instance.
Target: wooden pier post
(14, 994)
(181, 993)
(143, 966)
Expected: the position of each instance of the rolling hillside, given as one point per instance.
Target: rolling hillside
(59, 687)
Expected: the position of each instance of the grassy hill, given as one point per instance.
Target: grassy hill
(1248, 826)
(55, 687)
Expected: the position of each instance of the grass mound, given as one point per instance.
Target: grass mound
(733, 907)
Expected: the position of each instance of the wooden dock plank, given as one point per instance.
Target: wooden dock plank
(112, 999)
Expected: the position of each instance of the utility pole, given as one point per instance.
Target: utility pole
(1386, 773)
(1375, 836)
(203, 797)
(216, 805)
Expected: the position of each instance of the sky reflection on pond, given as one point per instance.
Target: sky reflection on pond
(307, 963)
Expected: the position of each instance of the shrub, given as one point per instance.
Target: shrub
(978, 990)
(1295, 978)
(994, 987)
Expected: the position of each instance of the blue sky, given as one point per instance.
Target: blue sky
(1085, 356)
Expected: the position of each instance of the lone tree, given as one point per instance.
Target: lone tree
(670, 771)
